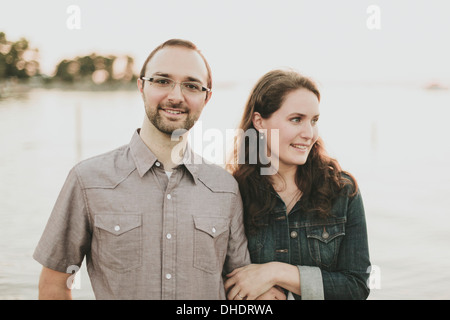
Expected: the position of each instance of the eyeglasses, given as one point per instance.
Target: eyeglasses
(187, 87)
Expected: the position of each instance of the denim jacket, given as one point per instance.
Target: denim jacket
(332, 254)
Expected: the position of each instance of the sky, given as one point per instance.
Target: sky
(407, 41)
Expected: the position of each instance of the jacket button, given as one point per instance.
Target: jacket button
(294, 234)
(325, 234)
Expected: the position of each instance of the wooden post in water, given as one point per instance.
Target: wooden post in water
(78, 135)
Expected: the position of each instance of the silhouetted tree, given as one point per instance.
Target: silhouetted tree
(17, 59)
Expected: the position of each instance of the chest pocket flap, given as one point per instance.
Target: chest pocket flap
(328, 231)
(117, 224)
(214, 226)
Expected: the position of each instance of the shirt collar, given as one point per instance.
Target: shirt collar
(144, 158)
(191, 162)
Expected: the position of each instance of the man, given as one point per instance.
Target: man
(153, 220)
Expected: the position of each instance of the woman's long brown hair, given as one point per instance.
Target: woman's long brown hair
(320, 179)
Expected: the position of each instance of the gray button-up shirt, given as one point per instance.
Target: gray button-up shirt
(146, 236)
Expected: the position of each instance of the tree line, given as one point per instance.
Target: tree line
(19, 61)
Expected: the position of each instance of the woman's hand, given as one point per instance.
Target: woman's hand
(251, 282)
(255, 281)
(274, 293)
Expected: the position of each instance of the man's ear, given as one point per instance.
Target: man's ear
(208, 96)
(257, 121)
(140, 84)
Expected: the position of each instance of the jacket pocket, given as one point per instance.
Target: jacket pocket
(324, 241)
(119, 240)
(210, 242)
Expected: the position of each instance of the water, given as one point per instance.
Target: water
(392, 138)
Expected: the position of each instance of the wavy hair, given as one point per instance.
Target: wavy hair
(320, 179)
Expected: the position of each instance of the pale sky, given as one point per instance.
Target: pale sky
(243, 39)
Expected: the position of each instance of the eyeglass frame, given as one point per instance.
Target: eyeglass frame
(150, 79)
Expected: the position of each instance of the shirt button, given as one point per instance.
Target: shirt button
(168, 276)
(213, 230)
(168, 236)
(117, 228)
(294, 234)
(169, 196)
(157, 164)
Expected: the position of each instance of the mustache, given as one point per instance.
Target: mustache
(168, 105)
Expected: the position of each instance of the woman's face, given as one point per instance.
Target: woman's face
(296, 121)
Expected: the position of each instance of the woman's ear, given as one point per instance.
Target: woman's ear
(257, 121)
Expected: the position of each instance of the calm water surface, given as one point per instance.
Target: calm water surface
(393, 139)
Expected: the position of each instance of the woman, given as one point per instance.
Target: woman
(305, 224)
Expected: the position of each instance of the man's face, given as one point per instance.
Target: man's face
(172, 109)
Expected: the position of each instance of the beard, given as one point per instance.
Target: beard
(168, 126)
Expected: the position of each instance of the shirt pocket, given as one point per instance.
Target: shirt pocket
(324, 241)
(210, 243)
(119, 240)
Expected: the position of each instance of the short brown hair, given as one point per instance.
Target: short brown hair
(178, 43)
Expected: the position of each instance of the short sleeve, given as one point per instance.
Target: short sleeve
(67, 236)
(237, 255)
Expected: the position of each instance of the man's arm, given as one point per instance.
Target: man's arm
(67, 237)
(53, 285)
(237, 255)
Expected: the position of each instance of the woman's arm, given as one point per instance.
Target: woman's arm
(349, 279)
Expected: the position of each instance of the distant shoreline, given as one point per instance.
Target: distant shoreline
(11, 88)
(14, 87)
